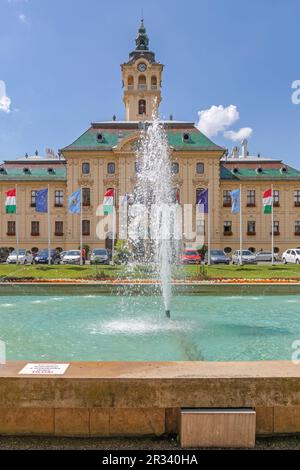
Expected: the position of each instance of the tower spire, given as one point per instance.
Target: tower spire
(142, 40)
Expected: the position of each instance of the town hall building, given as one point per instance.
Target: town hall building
(104, 157)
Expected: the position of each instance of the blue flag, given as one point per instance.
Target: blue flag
(235, 201)
(203, 201)
(41, 201)
(74, 202)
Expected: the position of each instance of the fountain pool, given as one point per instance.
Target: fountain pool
(134, 328)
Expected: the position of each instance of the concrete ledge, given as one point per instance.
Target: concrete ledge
(101, 288)
(144, 398)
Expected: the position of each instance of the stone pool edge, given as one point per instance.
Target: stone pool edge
(108, 399)
(137, 288)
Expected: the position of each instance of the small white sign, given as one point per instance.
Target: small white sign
(44, 369)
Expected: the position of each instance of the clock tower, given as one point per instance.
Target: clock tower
(141, 77)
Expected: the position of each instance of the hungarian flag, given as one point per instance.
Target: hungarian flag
(10, 202)
(108, 202)
(268, 201)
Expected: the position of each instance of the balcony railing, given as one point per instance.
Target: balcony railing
(141, 86)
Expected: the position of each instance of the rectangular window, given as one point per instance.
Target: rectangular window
(297, 198)
(251, 230)
(59, 228)
(276, 202)
(226, 198)
(59, 198)
(276, 227)
(11, 227)
(33, 199)
(35, 228)
(86, 227)
(251, 198)
(297, 227)
(227, 227)
(86, 196)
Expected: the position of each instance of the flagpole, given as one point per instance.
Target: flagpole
(49, 229)
(113, 230)
(272, 222)
(80, 225)
(17, 226)
(209, 227)
(241, 227)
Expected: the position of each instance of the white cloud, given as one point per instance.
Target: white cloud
(217, 119)
(22, 18)
(5, 101)
(243, 133)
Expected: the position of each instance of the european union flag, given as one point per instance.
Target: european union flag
(41, 200)
(203, 201)
(235, 201)
(74, 202)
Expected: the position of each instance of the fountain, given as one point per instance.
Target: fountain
(152, 236)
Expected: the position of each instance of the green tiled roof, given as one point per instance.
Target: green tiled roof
(36, 174)
(197, 141)
(265, 174)
(88, 140)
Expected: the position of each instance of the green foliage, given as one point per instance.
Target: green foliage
(121, 252)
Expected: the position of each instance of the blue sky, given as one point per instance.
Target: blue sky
(60, 61)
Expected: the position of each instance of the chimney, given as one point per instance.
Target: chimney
(235, 152)
(244, 148)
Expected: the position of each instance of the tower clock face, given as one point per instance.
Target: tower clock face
(142, 67)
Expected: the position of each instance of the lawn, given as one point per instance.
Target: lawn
(10, 272)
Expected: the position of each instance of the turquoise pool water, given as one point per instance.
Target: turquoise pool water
(102, 328)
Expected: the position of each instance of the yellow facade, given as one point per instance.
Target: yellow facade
(110, 146)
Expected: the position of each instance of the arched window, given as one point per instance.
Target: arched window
(86, 227)
(111, 168)
(142, 83)
(85, 168)
(153, 82)
(175, 168)
(142, 106)
(252, 249)
(130, 82)
(227, 250)
(86, 196)
(199, 168)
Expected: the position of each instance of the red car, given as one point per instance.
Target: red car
(190, 257)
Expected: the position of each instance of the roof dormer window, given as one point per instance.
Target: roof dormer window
(283, 169)
(100, 137)
(259, 170)
(2, 171)
(26, 171)
(51, 171)
(186, 137)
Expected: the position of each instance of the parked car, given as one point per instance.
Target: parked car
(62, 254)
(247, 257)
(71, 257)
(4, 253)
(190, 257)
(99, 256)
(20, 256)
(291, 256)
(217, 257)
(43, 256)
(266, 256)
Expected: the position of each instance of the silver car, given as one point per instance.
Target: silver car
(71, 257)
(99, 256)
(247, 257)
(20, 256)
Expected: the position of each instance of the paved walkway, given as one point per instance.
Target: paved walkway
(47, 443)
